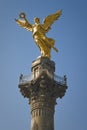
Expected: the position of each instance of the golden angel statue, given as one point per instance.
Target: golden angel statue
(39, 31)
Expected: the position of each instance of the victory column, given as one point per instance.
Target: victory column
(42, 87)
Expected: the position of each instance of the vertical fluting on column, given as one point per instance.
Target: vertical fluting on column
(42, 116)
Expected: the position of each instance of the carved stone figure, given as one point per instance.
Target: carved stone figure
(39, 31)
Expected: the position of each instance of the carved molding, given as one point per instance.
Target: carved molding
(42, 112)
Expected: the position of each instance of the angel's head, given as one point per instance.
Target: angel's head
(36, 20)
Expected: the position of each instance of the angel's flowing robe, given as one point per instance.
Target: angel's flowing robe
(43, 42)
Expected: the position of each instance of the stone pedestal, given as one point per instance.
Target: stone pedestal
(42, 91)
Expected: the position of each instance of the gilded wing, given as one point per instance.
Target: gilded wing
(24, 23)
(49, 20)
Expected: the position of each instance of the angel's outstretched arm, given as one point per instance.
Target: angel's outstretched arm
(24, 22)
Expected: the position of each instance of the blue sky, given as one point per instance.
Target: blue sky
(18, 50)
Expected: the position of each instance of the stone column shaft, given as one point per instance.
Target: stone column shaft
(42, 92)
